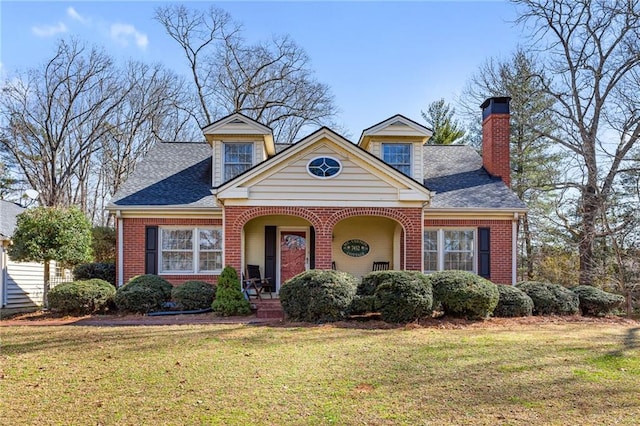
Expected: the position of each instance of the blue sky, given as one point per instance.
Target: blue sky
(379, 58)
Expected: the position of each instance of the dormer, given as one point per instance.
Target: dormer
(238, 143)
(398, 141)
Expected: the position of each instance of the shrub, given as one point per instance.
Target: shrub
(513, 302)
(144, 293)
(229, 299)
(362, 305)
(550, 299)
(404, 296)
(594, 301)
(81, 297)
(372, 280)
(464, 294)
(318, 296)
(102, 270)
(193, 295)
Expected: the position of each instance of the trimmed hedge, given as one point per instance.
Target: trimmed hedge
(362, 305)
(193, 295)
(318, 296)
(229, 299)
(594, 301)
(81, 297)
(404, 296)
(103, 270)
(550, 299)
(464, 294)
(372, 280)
(144, 293)
(513, 302)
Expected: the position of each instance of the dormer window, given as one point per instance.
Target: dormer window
(398, 156)
(238, 157)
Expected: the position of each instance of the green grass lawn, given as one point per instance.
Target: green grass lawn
(562, 374)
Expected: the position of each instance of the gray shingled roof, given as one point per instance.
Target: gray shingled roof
(456, 174)
(172, 174)
(8, 217)
(179, 174)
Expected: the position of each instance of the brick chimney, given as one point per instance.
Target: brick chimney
(495, 138)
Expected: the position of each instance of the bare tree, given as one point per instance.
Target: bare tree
(592, 51)
(152, 110)
(271, 82)
(76, 128)
(52, 119)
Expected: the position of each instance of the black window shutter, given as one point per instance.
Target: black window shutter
(151, 250)
(270, 252)
(484, 252)
(312, 248)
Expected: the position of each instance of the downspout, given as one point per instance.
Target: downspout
(120, 249)
(514, 248)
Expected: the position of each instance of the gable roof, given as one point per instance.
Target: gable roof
(173, 174)
(325, 133)
(456, 175)
(398, 125)
(8, 218)
(240, 124)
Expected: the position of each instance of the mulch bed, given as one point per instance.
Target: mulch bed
(43, 318)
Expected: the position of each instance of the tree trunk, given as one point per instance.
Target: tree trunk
(528, 245)
(588, 235)
(45, 291)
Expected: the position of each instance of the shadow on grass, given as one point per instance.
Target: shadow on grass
(630, 342)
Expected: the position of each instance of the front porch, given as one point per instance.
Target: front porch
(282, 246)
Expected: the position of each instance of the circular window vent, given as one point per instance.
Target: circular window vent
(324, 167)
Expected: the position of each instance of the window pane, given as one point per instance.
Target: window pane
(238, 157)
(430, 251)
(210, 261)
(177, 261)
(177, 239)
(459, 249)
(210, 239)
(398, 155)
(458, 260)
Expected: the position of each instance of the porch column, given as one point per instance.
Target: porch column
(323, 249)
(232, 242)
(413, 240)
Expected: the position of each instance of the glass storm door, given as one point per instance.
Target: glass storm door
(293, 254)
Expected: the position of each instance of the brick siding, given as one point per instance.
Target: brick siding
(500, 238)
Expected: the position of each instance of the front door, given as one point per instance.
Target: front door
(293, 253)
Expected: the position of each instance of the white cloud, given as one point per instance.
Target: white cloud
(49, 30)
(124, 33)
(73, 14)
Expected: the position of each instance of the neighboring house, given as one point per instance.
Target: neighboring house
(190, 209)
(21, 283)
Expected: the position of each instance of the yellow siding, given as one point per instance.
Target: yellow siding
(295, 183)
(378, 232)
(254, 236)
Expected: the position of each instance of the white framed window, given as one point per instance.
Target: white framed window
(190, 250)
(238, 157)
(446, 249)
(398, 156)
(324, 167)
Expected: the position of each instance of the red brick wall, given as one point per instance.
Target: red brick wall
(500, 239)
(133, 236)
(495, 146)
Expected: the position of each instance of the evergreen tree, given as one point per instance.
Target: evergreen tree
(440, 118)
(229, 298)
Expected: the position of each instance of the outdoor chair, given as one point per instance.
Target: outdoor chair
(257, 283)
(380, 266)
